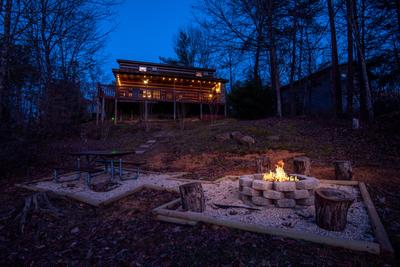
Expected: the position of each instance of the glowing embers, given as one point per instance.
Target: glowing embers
(279, 175)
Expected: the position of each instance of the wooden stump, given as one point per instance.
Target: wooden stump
(331, 207)
(343, 170)
(192, 197)
(263, 164)
(302, 165)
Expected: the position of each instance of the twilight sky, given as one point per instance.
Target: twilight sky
(145, 29)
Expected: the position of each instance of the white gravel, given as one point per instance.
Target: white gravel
(358, 226)
(79, 190)
(227, 192)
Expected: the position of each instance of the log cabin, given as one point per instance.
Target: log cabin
(143, 90)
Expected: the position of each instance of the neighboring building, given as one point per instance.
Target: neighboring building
(143, 89)
(313, 95)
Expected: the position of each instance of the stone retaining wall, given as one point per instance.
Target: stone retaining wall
(278, 194)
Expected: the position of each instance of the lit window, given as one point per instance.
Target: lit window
(142, 68)
(199, 74)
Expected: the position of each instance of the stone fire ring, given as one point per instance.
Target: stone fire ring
(288, 194)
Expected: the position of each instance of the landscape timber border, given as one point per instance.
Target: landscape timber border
(168, 212)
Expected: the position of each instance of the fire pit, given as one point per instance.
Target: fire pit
(277, 189)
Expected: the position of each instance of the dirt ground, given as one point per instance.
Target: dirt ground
(124, 233)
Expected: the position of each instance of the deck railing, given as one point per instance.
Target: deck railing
(161, 95)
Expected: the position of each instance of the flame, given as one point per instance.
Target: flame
(279, 175)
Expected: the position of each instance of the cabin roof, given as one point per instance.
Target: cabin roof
(152, 64)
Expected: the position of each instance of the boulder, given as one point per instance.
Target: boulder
(247, 140)
(236, 135)
(223, 137)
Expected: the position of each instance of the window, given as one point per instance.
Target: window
(155, 69)
(199, 74)
(142, 68)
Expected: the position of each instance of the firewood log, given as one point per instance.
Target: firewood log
(343, 170)
(331, 207)
(302, 165)
(192, 197)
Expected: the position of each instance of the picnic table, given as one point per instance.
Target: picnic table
(107, 157)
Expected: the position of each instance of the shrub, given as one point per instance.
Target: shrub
(250, 101)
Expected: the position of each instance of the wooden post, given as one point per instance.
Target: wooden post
(145, 111)
(192, 197)
(301, 165)
(331, 207)
(116, 111)
(201, 111)
(103, 109)
(97, 110)
(343, 170)
(174, 109)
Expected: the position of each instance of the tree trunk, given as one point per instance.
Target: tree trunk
(350, 72)
(192, 197)
(331, 207)
(343, 170)
(365, 93)
(301, 165)
(293, 67)
(335, 62)
(272, 54)
(4, 53)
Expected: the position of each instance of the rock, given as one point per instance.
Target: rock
(273, 138)
(284, 186)
(246, 180)
(75, 230)
(223, 137)
(272, 194)
(262, 185)
(306, 182)
(247, 140)
(248, 191)
(236, 135)
(262, 201)
(297, 194)
(285, 203)
(306, 201)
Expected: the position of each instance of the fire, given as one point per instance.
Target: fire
(279, 175)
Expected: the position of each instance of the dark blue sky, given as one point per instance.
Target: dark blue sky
(145, 29)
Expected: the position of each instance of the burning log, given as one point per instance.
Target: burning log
(331, 207)
(192, 197)
(302, 165)
(343, 170)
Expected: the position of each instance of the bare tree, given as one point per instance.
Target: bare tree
(337, 88)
